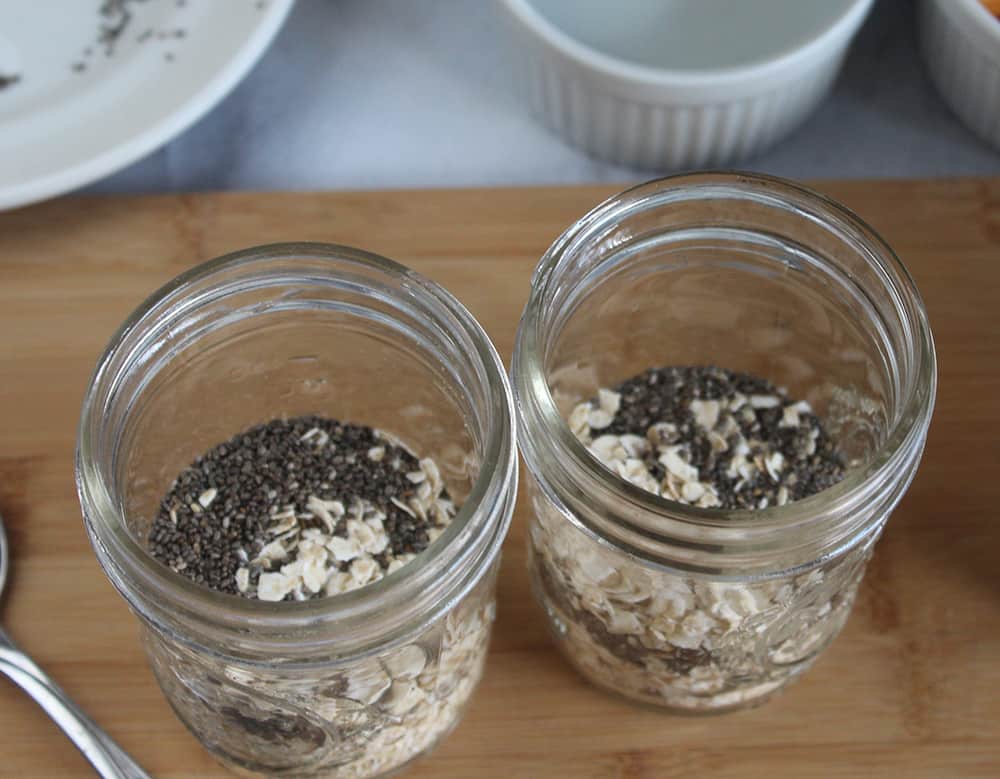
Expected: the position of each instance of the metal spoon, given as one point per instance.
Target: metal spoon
(105, 755)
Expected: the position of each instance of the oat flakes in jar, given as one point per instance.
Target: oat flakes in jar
(301, 669)
(724, 384)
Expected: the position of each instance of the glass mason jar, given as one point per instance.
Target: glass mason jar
(705, 609)
(354, 685)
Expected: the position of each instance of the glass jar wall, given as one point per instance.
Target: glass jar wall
(352, 685)
(702, 609)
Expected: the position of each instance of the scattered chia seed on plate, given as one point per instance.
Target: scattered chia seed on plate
(299, 508)
(116, 19)
(709, 437)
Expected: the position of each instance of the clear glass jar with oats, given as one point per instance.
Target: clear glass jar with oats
(351, 685)
(695, 607)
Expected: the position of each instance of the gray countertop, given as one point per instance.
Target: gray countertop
(414, 93)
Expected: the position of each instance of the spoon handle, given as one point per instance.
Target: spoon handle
(105, 755)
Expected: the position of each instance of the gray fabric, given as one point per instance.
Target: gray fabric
(414, 93)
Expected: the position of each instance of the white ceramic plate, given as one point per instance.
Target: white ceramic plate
(82, 110)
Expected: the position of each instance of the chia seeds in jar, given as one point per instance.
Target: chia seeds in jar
(296, 464)
(300, 508)
(724, 384)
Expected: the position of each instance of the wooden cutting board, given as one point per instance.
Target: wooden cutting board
(910, 689)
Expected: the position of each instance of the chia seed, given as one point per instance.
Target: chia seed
(116, 18)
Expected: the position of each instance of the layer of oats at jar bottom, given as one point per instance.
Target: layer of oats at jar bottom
(369, 718)
(712, 438)
(300, 508)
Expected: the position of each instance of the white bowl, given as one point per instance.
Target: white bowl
(632, 111)
(960, 40)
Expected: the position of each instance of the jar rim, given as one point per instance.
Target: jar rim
(468, 545)
(749, 531)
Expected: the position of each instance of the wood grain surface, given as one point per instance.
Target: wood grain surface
(910, 689)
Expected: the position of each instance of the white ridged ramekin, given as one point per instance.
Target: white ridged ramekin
(960, 40)
(652, 118)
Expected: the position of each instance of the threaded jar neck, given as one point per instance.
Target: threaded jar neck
(695, 237)
(257, 301)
